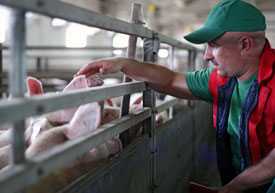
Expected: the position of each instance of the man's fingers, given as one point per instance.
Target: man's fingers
(100, 66)
(89, 69)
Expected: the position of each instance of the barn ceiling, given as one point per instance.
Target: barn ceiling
(169, 17)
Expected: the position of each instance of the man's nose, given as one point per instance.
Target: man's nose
(208, 55)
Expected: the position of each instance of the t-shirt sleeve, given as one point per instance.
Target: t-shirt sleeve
(197, 82)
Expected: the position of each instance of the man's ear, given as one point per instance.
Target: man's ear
(246, 43)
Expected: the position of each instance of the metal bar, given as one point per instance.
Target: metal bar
(172, 67)
(1, 72)
(191, 66)
(38, 64)
(53, 8)
(17, 76)
(192, 59)
(63, 155)
(165, 105)
(174, 42)
(172, 58)
(151, 49)
(16, 109)
(68, 48)
(136, 18)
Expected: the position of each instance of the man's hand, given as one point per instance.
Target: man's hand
(199, 188)
(158, 77)
(104, 66)
(229, 189)
(254, 176)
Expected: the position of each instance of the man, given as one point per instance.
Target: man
(239, 84)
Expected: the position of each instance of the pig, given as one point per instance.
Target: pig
(5, 138)
(85, 120)
(4, 156)
(44, 136)
(34, 87)
(62, 116)
(79, 82)
(136, 104)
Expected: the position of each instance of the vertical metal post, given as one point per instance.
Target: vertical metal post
(191, 66)
(192, 59)
(38, 64)
(136, 17)
(1, 72)
(151, 49)
(172, 58)
(172, 67)
(17, 74)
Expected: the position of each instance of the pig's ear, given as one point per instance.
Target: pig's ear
(110, 102)
(138, 101)
(78, 82)
(34, 86)
(86, 119)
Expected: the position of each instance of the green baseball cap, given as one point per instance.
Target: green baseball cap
(228, 16)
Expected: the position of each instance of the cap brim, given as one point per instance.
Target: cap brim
(203, 35)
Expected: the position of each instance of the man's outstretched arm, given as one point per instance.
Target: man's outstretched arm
(158, 77)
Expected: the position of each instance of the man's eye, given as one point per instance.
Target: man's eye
(213, 45)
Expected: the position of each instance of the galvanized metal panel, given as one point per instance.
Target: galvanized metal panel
(204, 144)
(130, 172)
(175, 153)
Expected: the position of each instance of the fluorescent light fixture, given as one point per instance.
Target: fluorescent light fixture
(163, 53)
(76, 35)
(4, 23)
(29, 15)
(56, 22)
(120, 41)
(118, 52)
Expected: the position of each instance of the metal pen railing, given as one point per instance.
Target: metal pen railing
(53, 8)
(28, 171)
(18, 108)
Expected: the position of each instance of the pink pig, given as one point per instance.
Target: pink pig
(81, 121)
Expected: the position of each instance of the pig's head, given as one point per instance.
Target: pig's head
(109, 114)
(94, 81)
(78, 82)
(136, 105)
(82, 81)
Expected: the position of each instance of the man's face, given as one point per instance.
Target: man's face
(224, 53)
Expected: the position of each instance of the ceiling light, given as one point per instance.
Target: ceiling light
(163, 53)
(56, 22)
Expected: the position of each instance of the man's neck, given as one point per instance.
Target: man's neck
(252, 68)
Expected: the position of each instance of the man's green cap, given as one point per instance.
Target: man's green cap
(228, 16)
